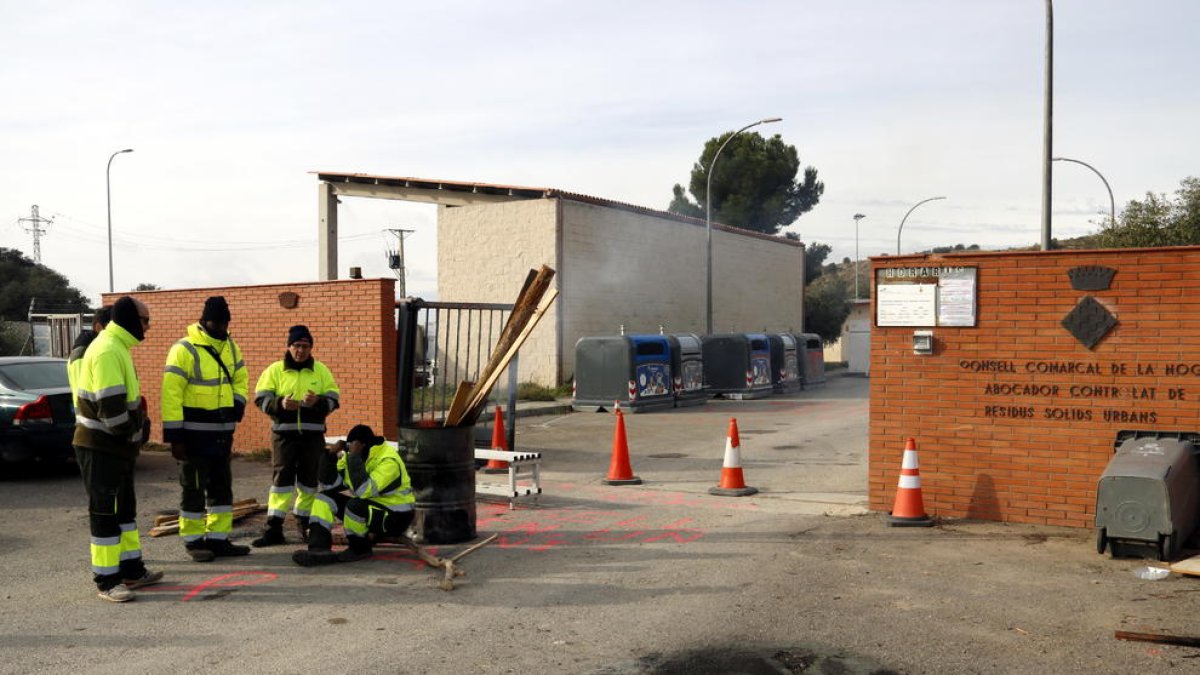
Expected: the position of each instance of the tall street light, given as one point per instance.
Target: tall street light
(708, 218)
(857, 217)
(108, 195)
(1048, 127)
(914, 208)
(1112, 204)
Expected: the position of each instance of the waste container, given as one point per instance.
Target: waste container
(1147, 497)
(737, 365)
(785, 366)
(632, 369)
(687, 366)
(441, 465)
(812, 357)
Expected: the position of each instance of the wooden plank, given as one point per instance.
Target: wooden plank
(462, 397)
(481, 392)
(1188, 566)
(532, 294)
(1181, 640)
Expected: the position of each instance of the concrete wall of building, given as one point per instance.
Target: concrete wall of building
(1014, 418)
(484, 253)
(353, 331)
(615, 267)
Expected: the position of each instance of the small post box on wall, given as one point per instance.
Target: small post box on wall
(922, 342)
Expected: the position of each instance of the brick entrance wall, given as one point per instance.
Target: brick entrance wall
(353, 327)
(1014, 418)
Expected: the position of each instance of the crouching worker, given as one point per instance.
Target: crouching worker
(362, 481)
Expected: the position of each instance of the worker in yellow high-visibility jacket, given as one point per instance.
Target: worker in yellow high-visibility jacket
(365, 483)
(110, 427)
(298, 393)
(203, 398)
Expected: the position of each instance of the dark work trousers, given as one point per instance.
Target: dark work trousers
(380, 521)
(207, 481)
(112, 509)
(295, 457)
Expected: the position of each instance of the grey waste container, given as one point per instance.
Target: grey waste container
(687, 365)
(812, 358)
(737, 365)
(632, 369)
(785, 366)
(1147, 497)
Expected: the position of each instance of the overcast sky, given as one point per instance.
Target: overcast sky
(229, 105)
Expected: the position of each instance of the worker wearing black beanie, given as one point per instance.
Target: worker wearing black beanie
(297, 392)
(204, 389)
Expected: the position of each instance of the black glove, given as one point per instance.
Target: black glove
(239, 411)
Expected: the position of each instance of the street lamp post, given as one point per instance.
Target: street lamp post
(108, 199)
(1112, 204)
(708, 312)
(1048, 128)
(914, 208)
(857, 217)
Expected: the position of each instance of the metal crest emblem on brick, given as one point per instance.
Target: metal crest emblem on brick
(1091, 277)
(1089, 321)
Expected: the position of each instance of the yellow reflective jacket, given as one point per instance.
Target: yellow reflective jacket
(107, 395)
(200, 398)
(288, 378)
(381, 477)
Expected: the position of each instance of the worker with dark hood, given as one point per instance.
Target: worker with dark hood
(203, 399)
(110, 425)
(297, 393)
(363, 482)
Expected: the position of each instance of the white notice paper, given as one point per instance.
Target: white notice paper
(906, 305)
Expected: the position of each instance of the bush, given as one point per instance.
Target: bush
(532, 391)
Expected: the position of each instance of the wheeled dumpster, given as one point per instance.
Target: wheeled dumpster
(687, 366)
(812, 358)
(1147, 497)
(634, 370)
(737, 365)
(785, 364)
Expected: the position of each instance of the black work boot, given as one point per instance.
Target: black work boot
(314, 556)
(272, 536)
(199, 551)
(223, 548)
(358, 549)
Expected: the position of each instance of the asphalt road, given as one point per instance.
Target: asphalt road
(657, 578)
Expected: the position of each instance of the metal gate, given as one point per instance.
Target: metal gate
(440, 344)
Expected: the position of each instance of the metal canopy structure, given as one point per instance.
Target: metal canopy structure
(449, 193)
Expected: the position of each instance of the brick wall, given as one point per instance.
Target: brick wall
(353, 328)
(1033, 453)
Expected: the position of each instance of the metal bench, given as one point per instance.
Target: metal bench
(524, 475)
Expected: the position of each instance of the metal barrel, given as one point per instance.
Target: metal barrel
(441, 465)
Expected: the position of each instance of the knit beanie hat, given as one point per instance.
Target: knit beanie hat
(362, 433)
(125, 315)
(215, 309)
(298, 333)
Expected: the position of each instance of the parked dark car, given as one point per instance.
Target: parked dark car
(37, 419)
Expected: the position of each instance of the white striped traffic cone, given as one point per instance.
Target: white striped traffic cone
(909, 508)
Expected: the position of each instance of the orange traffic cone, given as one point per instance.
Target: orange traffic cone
(619, 471)
(499, 442)
(909, 509)
(732, 483)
